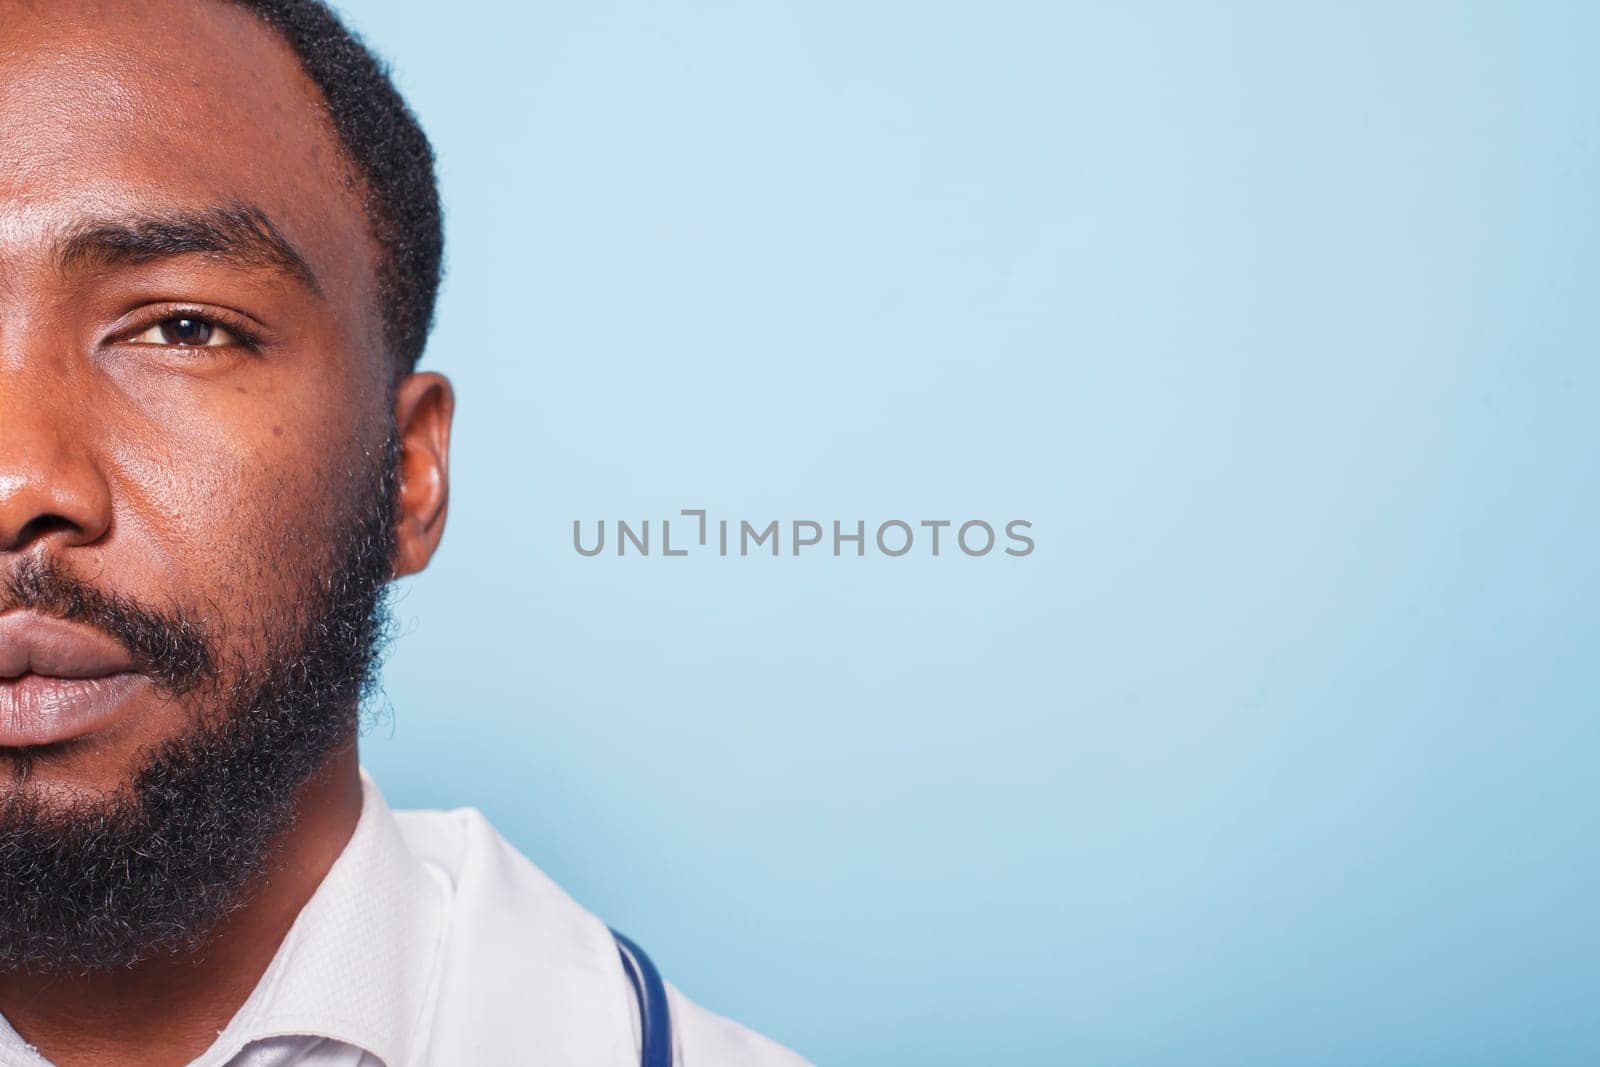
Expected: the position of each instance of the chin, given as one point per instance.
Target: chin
(68, 775)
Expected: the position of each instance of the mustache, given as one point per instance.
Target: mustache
(170, 646)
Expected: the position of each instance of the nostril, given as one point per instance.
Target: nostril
(41, 526)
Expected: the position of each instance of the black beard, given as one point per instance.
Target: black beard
(151, 869)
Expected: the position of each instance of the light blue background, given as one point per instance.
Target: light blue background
(1278, 321)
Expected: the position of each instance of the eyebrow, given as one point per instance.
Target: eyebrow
(237, 234)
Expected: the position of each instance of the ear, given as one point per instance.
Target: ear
(424, 404)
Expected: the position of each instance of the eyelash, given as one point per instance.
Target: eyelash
(247, 338)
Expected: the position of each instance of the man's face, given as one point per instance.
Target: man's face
(196, 404)
(145, 446)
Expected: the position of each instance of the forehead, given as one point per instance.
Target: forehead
(110, 107)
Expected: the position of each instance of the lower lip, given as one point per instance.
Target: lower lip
(41, 710)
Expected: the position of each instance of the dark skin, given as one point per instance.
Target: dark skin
(162, 460)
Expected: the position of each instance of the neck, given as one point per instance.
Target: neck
(169, 1010)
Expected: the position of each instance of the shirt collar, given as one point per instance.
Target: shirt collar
(360, 963)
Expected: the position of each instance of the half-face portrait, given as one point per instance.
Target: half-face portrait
(656, 533)
(220, 249)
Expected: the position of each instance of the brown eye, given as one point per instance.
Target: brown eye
(187, 331)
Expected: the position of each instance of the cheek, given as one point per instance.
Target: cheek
(224, 492)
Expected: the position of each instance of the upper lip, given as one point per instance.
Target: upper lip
(31, 643)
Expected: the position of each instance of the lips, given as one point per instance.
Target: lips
(58, 680)
(31, 643)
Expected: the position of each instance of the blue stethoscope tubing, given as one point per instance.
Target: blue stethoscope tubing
(655, 1021)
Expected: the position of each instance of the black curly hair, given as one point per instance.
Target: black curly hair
(392, 155)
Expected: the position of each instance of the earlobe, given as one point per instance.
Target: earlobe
(424, 405)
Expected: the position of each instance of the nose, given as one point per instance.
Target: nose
(52, 490)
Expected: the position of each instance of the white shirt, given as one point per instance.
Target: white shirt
(432, 942)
